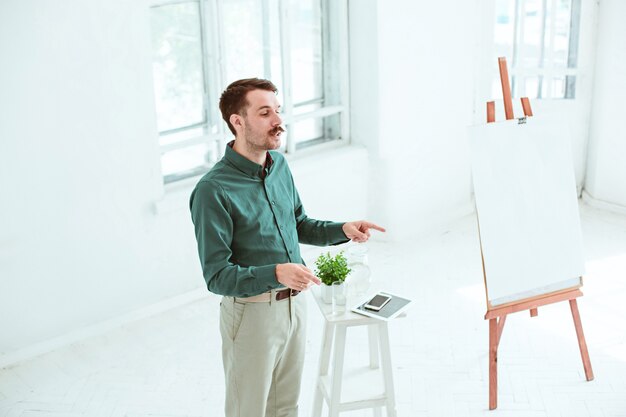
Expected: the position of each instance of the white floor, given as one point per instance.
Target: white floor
(170, 365)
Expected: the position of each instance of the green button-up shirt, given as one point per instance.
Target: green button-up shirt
(248, 219)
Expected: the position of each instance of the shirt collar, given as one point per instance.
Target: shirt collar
(247, 166)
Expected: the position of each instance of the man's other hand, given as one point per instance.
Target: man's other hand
(296, 276)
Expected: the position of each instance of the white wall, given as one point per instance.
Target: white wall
(80, 239)
(80, 171)
(412, 99)
(606, 163)
(333, 185)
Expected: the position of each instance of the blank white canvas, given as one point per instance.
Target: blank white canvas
(527, 208)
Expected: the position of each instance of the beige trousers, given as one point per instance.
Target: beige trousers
(263, 353)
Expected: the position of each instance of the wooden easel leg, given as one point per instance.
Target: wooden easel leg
(582, 344)
(493, 363)
(501, 322)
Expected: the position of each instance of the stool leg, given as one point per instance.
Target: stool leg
(372, 332)
(385, 352)
(340, 350)
(373, 344)
(327, 343)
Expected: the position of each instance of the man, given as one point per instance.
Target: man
(248, 221)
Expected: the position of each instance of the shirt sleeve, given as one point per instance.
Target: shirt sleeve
(213, 225)
(316, 232)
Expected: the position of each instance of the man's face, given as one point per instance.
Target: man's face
(261, 124)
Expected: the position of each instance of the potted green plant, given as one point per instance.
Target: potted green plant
(331, 269)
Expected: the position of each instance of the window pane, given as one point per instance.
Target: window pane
(504, 28)
(558, 87)
(180, 136)
(308, 129)
(562, 18)
(314, 130)
(188, 161)
(243, 39)
(177, 65)
(542, 38)
(526, 86)
(530, 52)
(274, 70)
(570, 86)
(306, 50)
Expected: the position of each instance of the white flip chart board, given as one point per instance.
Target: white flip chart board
(527, 209)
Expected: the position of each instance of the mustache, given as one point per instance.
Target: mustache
(277, 129)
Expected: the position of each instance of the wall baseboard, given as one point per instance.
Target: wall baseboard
(601, 204)
(37, 349)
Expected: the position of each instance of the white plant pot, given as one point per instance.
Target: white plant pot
(327, 293)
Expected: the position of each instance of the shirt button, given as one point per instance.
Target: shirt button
(280, 227)
(273, 202)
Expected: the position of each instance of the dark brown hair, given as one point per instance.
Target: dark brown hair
(233, 100)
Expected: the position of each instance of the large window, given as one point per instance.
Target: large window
(200, 46)
(540, 40)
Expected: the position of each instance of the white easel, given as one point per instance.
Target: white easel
(497, 314)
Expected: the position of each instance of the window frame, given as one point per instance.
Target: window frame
(546, 73)
(215, 132)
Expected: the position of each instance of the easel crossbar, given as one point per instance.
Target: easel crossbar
(532, 303)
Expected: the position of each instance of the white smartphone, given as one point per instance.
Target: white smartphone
(377, 302)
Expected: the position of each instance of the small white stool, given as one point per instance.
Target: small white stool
(328, 387)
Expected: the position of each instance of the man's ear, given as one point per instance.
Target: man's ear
(237, 121)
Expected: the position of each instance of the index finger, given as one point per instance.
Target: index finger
(375, 227)
(314, 279)
(308, 275)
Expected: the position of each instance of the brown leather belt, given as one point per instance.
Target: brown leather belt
(267, 296)
(286, 293)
